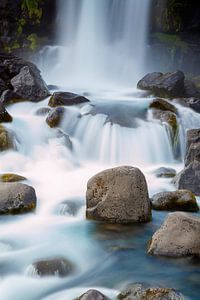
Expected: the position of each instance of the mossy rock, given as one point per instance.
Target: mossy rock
(6, 139)
(9, 177)
(162, 104)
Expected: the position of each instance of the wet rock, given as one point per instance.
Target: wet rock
(9, 177)
(66, 139)
(192, 154)
(118, 195)
(4, 115)
(140, 291)
(60, 267)
(92, 295)
(10, 97)
(55, 116)
(70, 207)
(53, 87)
(165, 172)
(16, 198)
(193, 136)
(42, 111)
(3, 86)
(193, 103)
(163, 105)
(182, 200)
(190, 89)
(66, 98)
(168, 85)
(178, 236)
(30, 85)
(189, 178)
(6, 139)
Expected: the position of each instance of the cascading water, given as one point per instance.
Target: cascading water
(101, 44)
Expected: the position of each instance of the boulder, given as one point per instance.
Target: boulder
(140, 291)
(192, 154)
(165, 172)
(179, 236)
(182, 200)
(189, 178)
(30, 85)
(9, 177)
(4, 115)
(92, 295)
(10, 97)
(60, 267)
(163, 105)
(16, 198)
(6, 139)
(118, 195)
(3, 86)
(55, 116)
(42, 111)
(168, 85)
(66, 98)
(193, 136)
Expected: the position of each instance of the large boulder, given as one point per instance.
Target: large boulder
(92, 295)
(189, 178)
(140, 291)
(55, 116)
(182, 200)
(30, 85)
(60, 267)
(4, 115)
(66, 98)
(118, 195)
(6, 139)
(16, 198)
(169, 85)
(178, 236)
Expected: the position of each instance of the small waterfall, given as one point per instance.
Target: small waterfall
(100, 44)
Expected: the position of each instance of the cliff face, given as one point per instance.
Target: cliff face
(26, 24)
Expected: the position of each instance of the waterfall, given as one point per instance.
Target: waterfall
(99, 43)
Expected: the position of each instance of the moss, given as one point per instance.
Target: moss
(9, 177)
(6, 141)
(171, 40)
(33, 39)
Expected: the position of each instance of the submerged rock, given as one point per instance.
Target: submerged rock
(30, 85)
(178, 236)
(60, 267)
(16, 198)
(55, 116)
(66, 138)
(6, 139)
(92, 295)
(140, 291)
(169, 85)
(165, 172)
(66, 98)
(10, 97)
(4, 115)
(42, 111)
(70, 206)
(118, 195)
(182, 200)
(9, 177)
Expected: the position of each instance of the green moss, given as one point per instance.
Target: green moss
(32, 7)
(33, 39)
(8, 177)
(171, 40)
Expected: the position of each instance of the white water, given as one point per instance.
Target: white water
(101, 44)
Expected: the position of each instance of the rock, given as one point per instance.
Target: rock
(8, 177)
(66, 98)
(92, 295)
(193, 136)
(163, 105)
(192, 154)
(189, 178)
(30, 85)
(118, 195)
(66, 139)
(4, 115)
(10, 97)
(55, 116)
(3, 86)
(16, 198)
(190, 89)
(194, 103)
(53, 267)
(70, 207)
(42, 111)
(165, 172)
(177, 237)
(168, 85)
(139, 291)
(182, 200)
(6, 139)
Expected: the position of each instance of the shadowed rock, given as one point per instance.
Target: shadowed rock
(66, 98)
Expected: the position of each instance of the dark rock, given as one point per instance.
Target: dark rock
(189, 178)
(193, 103)
(8, 177)
(191, 90)
(169, 85)
(6, 139)
(3, 86)
(16, 198)
(163, 105)
(139, 291)
(165, 172)
(4, 115)
(55, 116)
(60, 267)
(42, 111)
(181, 200)
(66, 98)
(118, 195)
(178, 236)
(10, 97)
(92, 295)
(30, 85)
